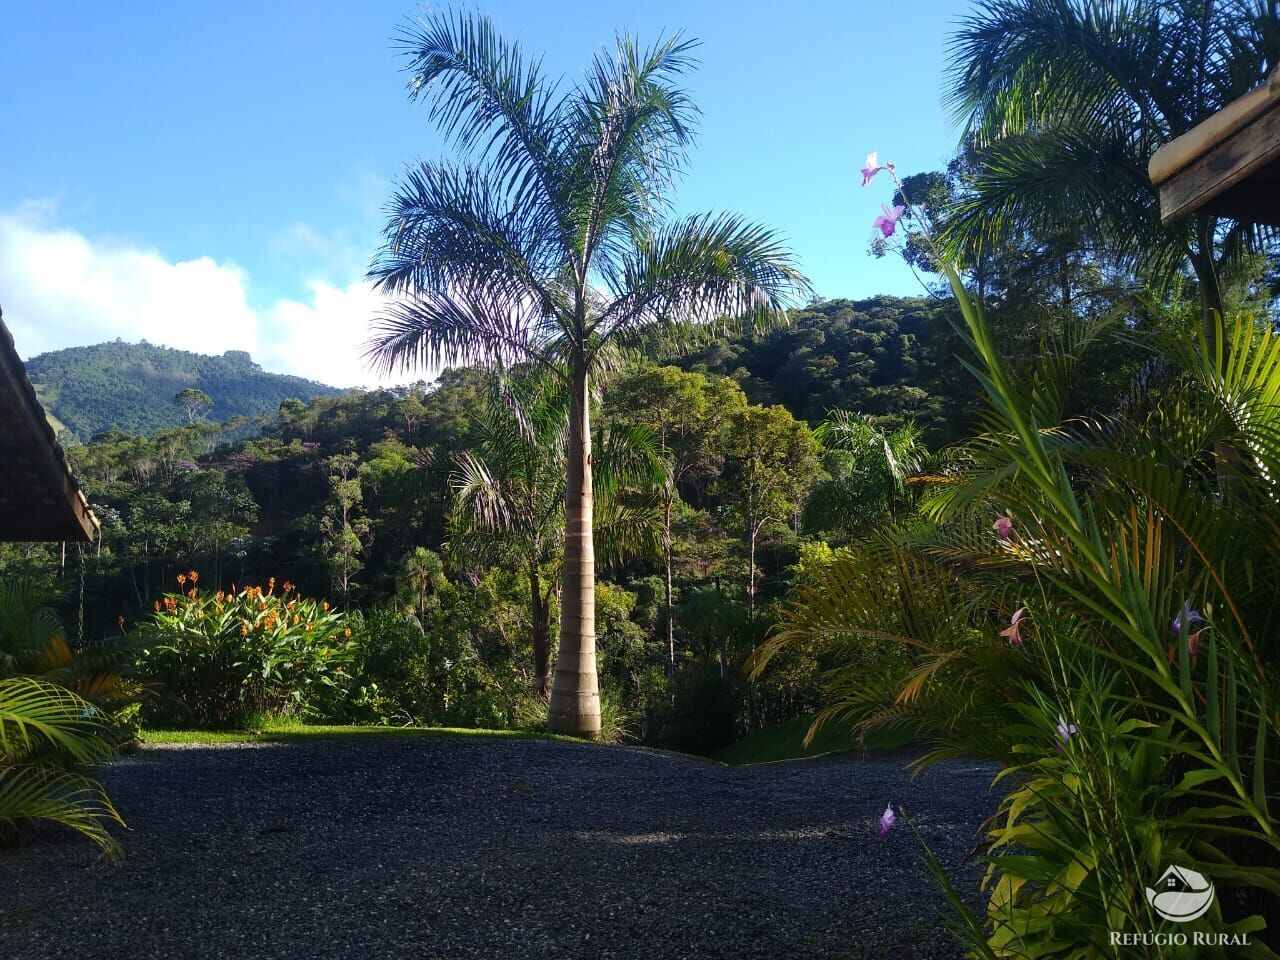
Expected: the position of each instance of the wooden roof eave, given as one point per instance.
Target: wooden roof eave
(44, 502)
(1227, 165)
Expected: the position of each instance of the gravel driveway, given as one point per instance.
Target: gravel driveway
(488, 848)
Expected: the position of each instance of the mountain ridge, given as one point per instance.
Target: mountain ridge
(116, 385)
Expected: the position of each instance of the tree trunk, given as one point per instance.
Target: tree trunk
(670, 593)
(575, 694)
(1206, 272)
(541, 626)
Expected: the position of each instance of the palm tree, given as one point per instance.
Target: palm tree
(509, 495)
(546, 243)
(1066, 100)
(868, 468)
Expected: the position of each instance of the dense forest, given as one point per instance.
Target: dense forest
(434, 515)
(131, 387)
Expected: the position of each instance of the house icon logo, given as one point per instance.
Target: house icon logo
(1181, 895)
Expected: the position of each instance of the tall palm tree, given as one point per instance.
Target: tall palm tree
(509, 495)
(1066, 100)
(546, 243)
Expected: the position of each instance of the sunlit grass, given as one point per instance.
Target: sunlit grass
(785, 741)
(281, 731)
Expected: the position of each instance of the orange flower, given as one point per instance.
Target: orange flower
(244, 629)
(120, 621)
(157, 606)
(192, 593)
(182, 579)
(325, 606)
(193, 576)
(308, 624)
(287, 586)
(347, 632)
(221, 596)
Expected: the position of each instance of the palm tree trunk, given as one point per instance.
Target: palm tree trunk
(575, 694)
(670, 605)
(541, 627)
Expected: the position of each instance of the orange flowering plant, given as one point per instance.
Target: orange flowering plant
(221, 658)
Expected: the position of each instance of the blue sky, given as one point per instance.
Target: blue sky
(210, 175)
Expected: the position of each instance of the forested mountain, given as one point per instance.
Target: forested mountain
(131, 386)
(892, 359)
(888, 357)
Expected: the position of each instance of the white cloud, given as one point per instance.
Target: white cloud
(59, 288)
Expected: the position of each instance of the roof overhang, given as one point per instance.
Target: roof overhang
(1228, 165)
(39, 497)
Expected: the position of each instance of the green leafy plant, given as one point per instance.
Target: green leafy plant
(62, 708)
(47, 734)
(1089, 602)
(217, 659)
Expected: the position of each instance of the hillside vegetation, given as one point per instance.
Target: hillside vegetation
(130, 387)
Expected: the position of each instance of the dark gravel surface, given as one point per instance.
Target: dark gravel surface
(487, 848)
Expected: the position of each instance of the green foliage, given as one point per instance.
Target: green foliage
(130, 387)
(1067, 101)
(217, 659)
(47, 734)
(56, 716)
(1121, 525)
(412, 671)
(867, 472)
(887, 358)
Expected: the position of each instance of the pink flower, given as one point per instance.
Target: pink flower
(887, 222)
(887, 820)
(1013, 632)
(1003, 527)
(872, 168)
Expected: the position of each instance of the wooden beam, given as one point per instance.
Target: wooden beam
(1249, 152)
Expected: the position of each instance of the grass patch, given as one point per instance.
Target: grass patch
(785, 741)
(287, 732)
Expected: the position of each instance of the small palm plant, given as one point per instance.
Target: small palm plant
(54, 702)
(549, 244)
(47, 734)
(868, 472)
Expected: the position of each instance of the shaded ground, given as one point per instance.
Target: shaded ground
(477, 848)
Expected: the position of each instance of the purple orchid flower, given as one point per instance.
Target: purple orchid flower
(1013, 632)
(1003, 527)
(1065, 731)
(1181, 626)
(1184, 620)
(887, 820)
(887, 222)
(872, 168)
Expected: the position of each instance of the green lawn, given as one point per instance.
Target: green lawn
(785, 741)
(286, 732)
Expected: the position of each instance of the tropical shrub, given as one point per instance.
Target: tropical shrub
(421, 670)
(222, 659)
(1089, 602)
